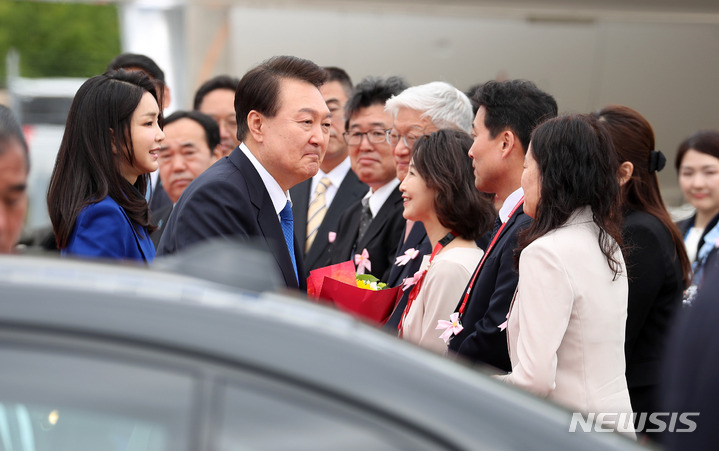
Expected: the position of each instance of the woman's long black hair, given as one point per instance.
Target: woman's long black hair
(87, 169)
(578, 167)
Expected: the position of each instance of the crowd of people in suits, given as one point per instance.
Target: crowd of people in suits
(538, 242)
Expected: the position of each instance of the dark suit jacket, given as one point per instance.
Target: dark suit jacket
(418, 240)
(655, 297)
(349, 191)
(380, 239)
(691, 369)
(159, 219)
(488, 304)
(230, 200)
(159, 198)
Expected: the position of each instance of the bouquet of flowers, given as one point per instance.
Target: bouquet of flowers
(361, 295)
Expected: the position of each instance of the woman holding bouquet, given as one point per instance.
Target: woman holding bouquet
(565, 328)
(439, 191)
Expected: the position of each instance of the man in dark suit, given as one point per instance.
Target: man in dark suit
(190, 147)
(508, 112)
(317, 203)
(216, 98)
(418, 111)
(689, 386)
(370, 228)
(284, 126)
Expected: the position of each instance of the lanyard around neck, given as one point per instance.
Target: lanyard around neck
(484, 257)
(418, 285)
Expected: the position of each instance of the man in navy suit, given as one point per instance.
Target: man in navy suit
(508, 112)
(689, 386)
(284, 125)
(372, 225)
(191, 145)
(418, 111)
(334, 188)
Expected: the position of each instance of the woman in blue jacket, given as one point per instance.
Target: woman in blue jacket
(96, 197)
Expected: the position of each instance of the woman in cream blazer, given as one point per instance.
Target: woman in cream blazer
(566, 324)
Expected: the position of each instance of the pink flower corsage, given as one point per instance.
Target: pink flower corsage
(409, 281)
(409, 254)
(451, 327)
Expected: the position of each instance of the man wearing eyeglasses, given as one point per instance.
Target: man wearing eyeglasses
(317, 203)
(418, 111)
(370, 228)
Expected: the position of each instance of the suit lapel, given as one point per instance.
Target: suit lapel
(349, 191)
(145, 246)
(512, 219)
(267, 218)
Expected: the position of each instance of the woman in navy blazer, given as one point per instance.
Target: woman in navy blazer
(96, 197)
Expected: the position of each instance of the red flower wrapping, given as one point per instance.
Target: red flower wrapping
(337, 284)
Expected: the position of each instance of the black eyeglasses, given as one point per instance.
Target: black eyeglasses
(374, 136)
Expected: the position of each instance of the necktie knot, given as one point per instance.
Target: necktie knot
(322, 186)
(286, 213)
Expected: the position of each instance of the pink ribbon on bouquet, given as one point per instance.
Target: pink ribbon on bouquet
(362, 262)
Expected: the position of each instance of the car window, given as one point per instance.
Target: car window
(265, 415)
(62, 401)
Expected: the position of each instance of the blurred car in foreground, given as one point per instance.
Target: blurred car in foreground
(112, 357)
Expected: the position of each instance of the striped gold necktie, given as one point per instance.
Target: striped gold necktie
(316, 211)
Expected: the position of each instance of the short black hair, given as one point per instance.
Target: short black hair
(128, 60)
(373, 91)
(517, 105)
(340, 76)
(259, 89)
(219, 82)
(212, 130)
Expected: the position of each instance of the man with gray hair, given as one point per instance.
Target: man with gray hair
(418, 111)
(14, 168)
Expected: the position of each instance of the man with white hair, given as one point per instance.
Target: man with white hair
(417, 111)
